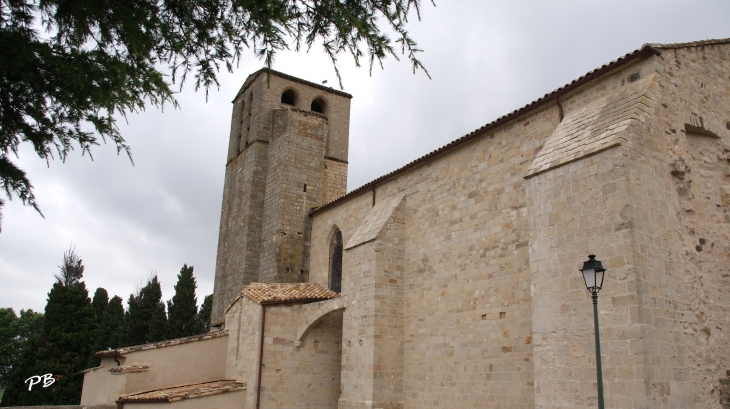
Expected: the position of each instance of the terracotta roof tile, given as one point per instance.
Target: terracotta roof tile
(161, 344)
(197, 390)
(276, 293)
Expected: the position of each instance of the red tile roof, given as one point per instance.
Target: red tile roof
(197, 390)
(282, 293)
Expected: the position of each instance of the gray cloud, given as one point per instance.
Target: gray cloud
(486, 58)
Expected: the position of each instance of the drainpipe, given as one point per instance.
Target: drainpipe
(560, 107)
(261, 355)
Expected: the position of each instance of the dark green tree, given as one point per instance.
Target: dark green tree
(8, 352)
(113, 323)
(146, 320)
(100, 302)
(101, 338)
(100, 58)
(182, 310)
(15, 335)
(204, 313)
(63, 347)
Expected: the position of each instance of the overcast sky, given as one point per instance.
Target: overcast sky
(486, 59)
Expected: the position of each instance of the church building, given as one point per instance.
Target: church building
(453, 282)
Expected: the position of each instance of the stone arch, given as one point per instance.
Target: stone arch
(320, 311)
(290, 97)
(320, 105)
(334, 269)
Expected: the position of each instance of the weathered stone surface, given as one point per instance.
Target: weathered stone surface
(460, 282)
(275, 150)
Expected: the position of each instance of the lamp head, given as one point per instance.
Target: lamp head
(593, 273)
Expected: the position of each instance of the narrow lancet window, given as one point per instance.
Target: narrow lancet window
(336, 262)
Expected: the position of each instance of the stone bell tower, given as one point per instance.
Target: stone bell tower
(287, 153)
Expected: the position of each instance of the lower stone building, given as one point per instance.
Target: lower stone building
(453, 281)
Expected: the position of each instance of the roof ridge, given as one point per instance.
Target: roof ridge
(645, 50)
(292, 78)
(688, 44)
(161, 344)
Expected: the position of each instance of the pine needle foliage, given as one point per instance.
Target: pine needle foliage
(100, 302)
(71, 270)
(113, 323)
(205, 311)
(146, 320)
(182, 310)
(101, 58)
(63, 347)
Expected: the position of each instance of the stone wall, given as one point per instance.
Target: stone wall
(243, 321)
(334, 183)
(635, 175)
(249, 170)
(296, 373)
(679, 178)
(293, 185)
(306, 376)
(466, 282)
(373, 328)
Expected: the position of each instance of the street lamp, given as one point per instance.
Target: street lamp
(593, 273)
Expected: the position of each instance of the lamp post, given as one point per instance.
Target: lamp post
(593, 273)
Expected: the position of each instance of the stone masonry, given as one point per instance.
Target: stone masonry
(453, 282)
(283, 159)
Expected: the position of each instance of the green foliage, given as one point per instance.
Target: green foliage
(101, 338)
(182, 310)
(62, 349)
(71, 270)
(145, 318)
(15, 334)
(59, 342)
(113, 324)
(16, 390)
(101, 58)
(100, 301)
(204, 313)
(7, 343)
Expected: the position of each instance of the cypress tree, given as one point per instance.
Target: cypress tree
(182, 320)
(100, 302)
(113, 323)
(204, 313)
(63, 347)
(145, 318)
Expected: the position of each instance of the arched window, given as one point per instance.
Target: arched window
(336, 262)
(289, 97)
(318, 105)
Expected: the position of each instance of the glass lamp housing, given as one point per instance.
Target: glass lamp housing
(593, 273)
